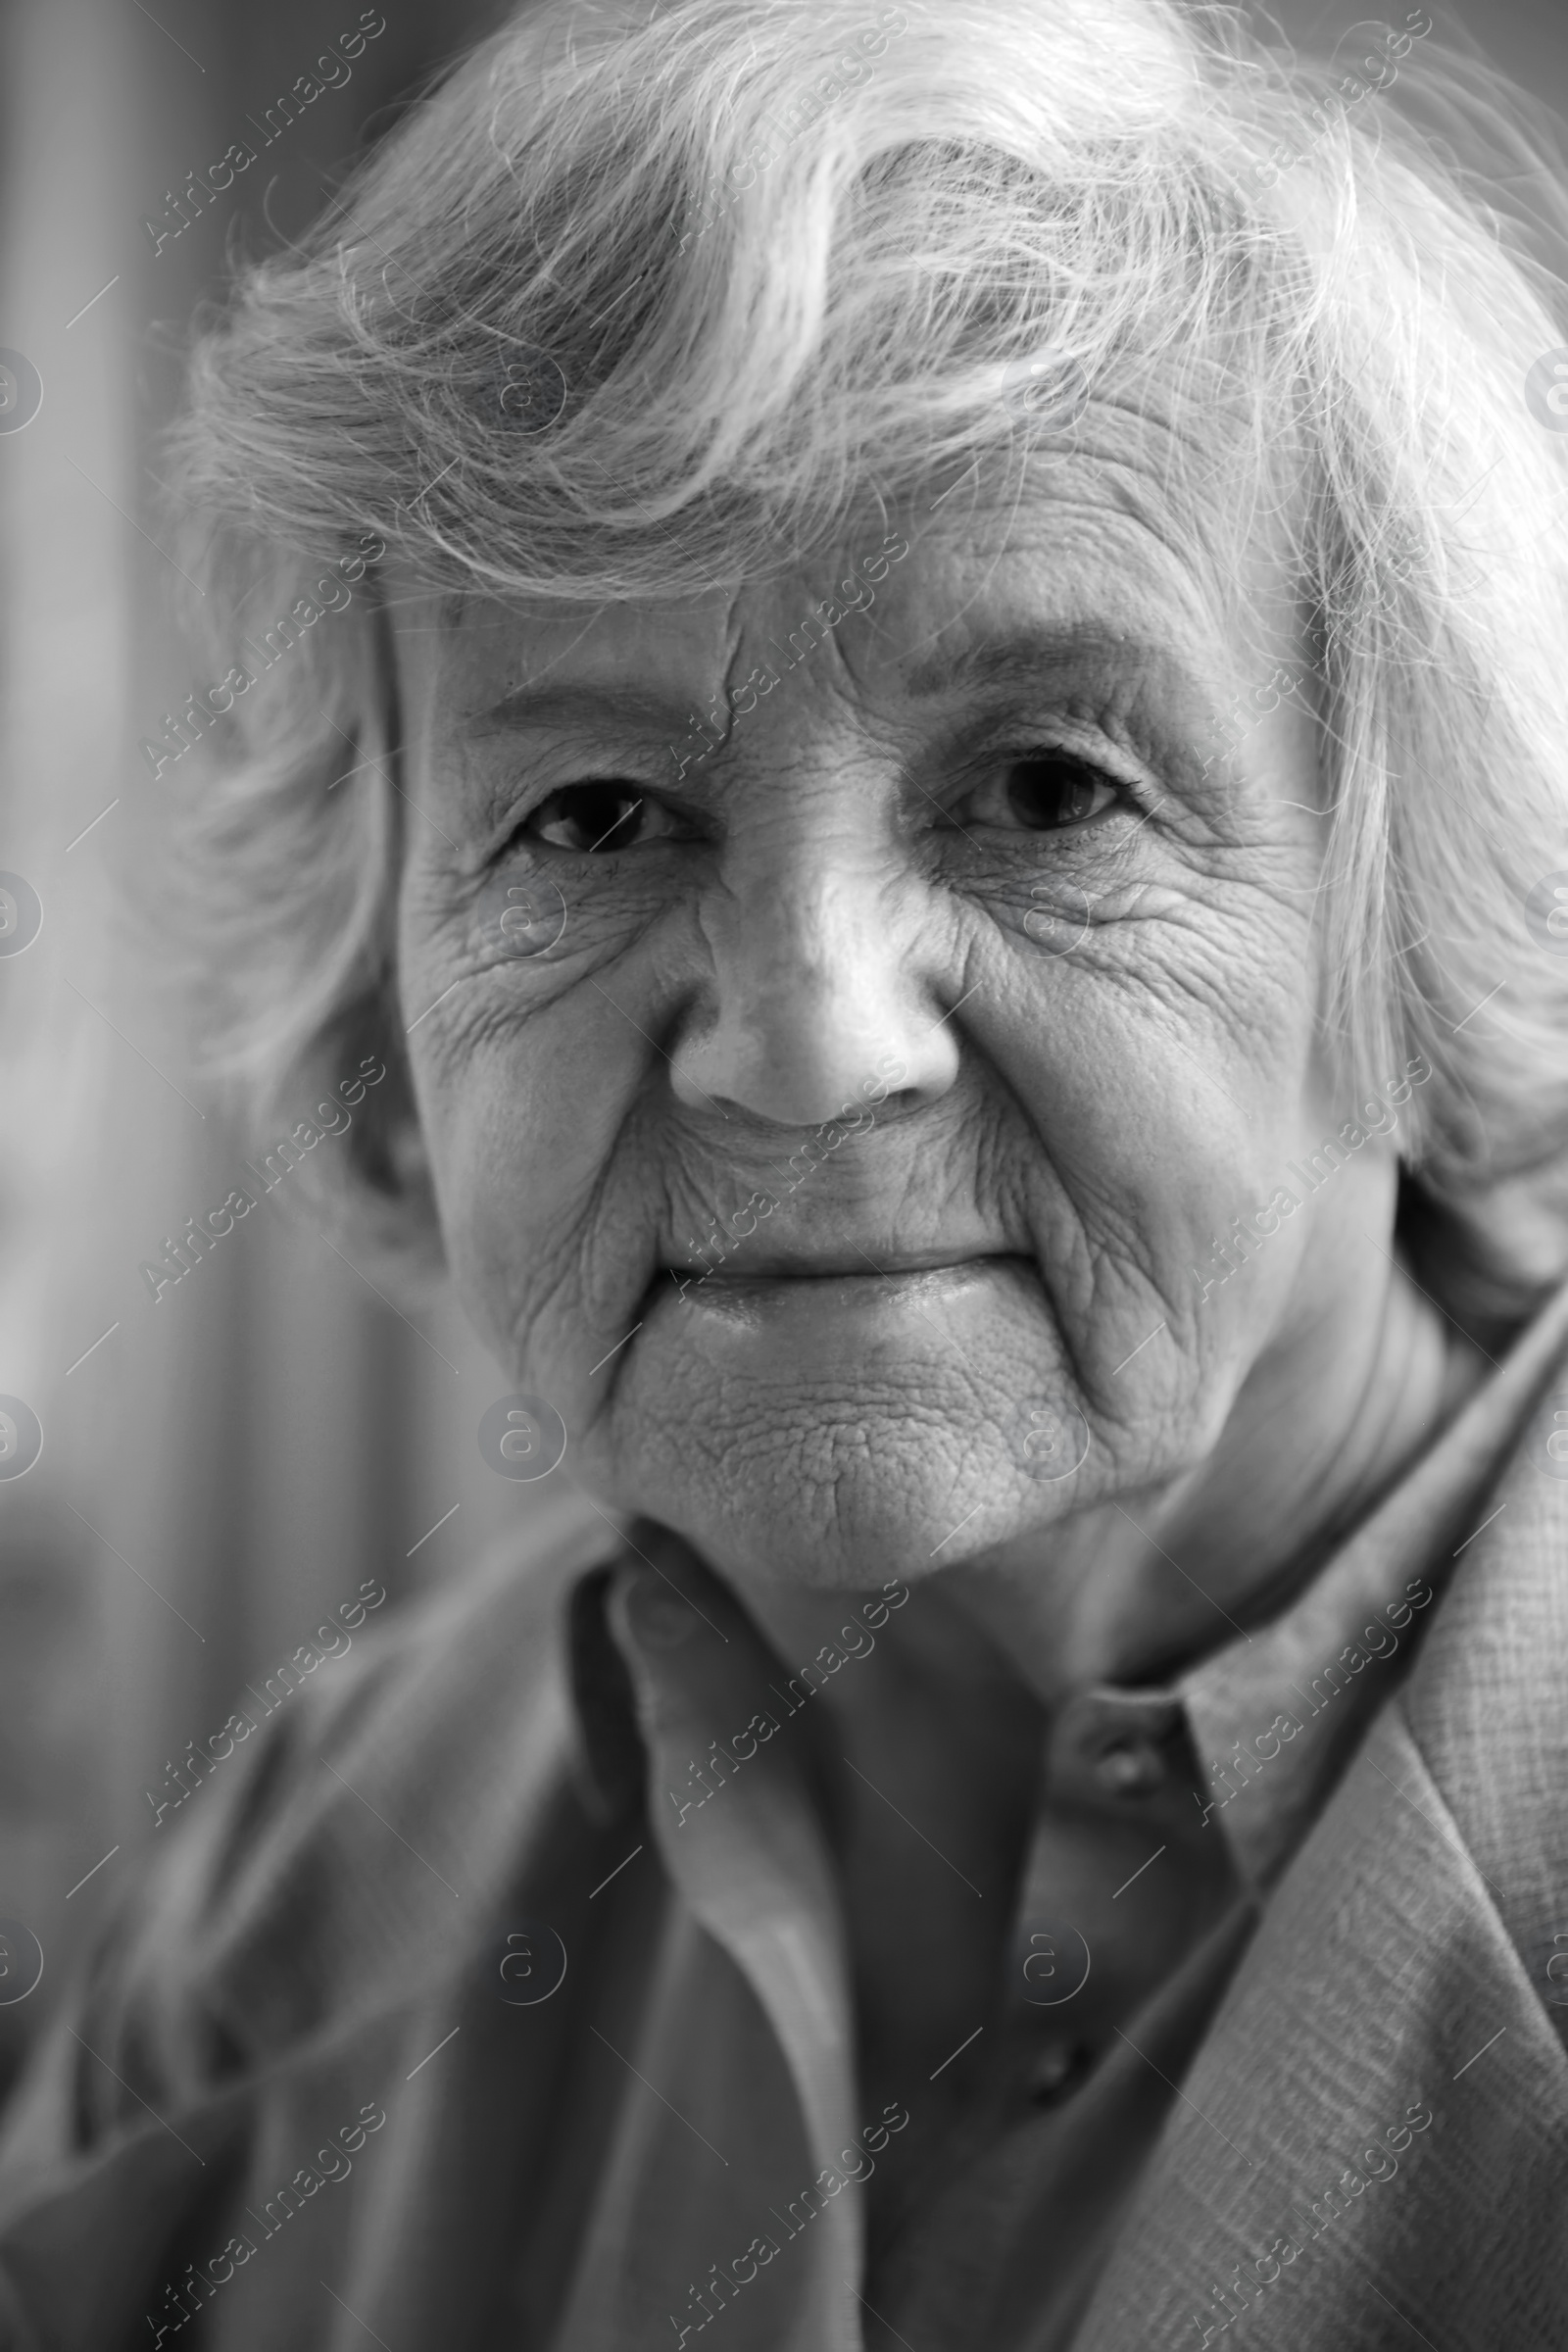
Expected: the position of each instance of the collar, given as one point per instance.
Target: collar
(1274, 1715)
(1270, 1718)
(1134, 1901)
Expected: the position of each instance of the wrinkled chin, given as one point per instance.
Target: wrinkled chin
(837, 1433)
(861, 1542)
(850, 1498)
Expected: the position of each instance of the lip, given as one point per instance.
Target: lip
(820, 1299)
(773, 1327)
(835, 1265)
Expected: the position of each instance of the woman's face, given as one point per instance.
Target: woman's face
(947, 1010)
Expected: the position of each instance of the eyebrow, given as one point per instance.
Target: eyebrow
(1026, 660)
(580, 706)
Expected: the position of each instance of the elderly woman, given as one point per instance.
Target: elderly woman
(940, 788)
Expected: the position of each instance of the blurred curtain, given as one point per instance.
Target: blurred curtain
(223, 1468)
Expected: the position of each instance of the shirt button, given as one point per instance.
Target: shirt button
(1131, 1768)
(1054, 2070)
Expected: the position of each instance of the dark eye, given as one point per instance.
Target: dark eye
(1044, 792)
(599, 816)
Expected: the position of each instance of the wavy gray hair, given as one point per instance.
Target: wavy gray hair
(634, 302)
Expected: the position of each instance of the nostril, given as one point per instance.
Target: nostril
(898, 1103)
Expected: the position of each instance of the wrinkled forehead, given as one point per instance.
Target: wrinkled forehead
(1134, 533)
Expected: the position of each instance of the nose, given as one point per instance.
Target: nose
(826, 983)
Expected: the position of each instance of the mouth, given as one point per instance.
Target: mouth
(801, 1307)
(828, 1265)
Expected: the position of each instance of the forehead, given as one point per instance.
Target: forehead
(1111, 549)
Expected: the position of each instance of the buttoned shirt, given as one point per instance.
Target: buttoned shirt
(1161, 1816)
(606, 2041)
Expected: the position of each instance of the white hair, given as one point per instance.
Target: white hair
(772, 260)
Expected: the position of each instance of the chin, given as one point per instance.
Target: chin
(838, 1432)
(842, 1507)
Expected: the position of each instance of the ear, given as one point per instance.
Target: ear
(372, 1181)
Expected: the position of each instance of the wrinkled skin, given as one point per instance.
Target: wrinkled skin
(867, 894)
(874, 892)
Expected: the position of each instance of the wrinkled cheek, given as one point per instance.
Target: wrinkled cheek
(491, 1278)
(542, 1247)
(490, 1168)
(1159, 1319)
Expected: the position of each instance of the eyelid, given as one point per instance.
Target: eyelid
(636, 797)
(530, 799)
(1137, 785)
(1108, 758)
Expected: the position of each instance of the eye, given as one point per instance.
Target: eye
(1042, 792)
(599, 816)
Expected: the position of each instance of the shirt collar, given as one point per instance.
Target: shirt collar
(1274, 1714)
(749, 1861)
(1271, 1716)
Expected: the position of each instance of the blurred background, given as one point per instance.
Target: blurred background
(224, 1467)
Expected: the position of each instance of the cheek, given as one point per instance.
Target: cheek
(1160, 1066)
(1159, 1113)
(525, 1120)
